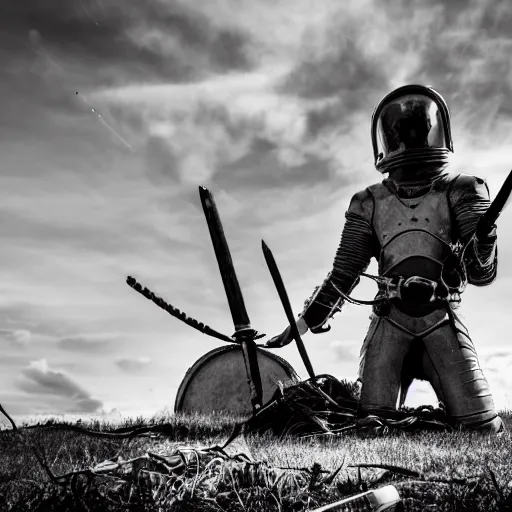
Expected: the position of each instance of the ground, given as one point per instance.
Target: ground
(174, 470)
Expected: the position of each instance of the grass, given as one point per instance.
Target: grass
(453, 471)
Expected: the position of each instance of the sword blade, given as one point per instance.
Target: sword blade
(226, 267)
(244, 334)
(498, 204)
(281, 290)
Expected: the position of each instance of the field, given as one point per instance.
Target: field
(45, 468)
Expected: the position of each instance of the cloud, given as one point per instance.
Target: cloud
(465, 57)
(267, 103)
(337, 63)
(89, 343)
(264, 166)
(78, 47)
(58, 388)
(135, 364)
(236, 131)
(497, 361)
(158, 39)
(345, 350)
(188, 39)
(289, 116)
(15, 337)
(190, 133)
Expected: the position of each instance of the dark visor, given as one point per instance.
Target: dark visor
(413, 121)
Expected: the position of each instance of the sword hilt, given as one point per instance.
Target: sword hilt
(247, 333)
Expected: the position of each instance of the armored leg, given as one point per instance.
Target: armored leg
(456, 373)
(449, 362)
(382, 357)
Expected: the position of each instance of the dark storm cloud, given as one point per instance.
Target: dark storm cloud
(468, 61)
(336, 114)
(345, 69)
(103, 36)
(265, 161)
(52, 50)
(200, 139)
(39, 379)
(261, 168)
(461, 48)
(343, 75)
(162, 161)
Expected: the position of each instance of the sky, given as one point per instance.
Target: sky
(114, 112)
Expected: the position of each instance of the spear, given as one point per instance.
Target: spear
(281, 290)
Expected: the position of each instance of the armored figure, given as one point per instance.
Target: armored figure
(420, 223)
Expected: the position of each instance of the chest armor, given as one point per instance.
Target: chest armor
(414, 235)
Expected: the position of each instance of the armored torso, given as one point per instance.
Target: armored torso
(414, 235)
(409, 235)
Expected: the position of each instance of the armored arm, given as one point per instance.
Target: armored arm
(356, 248)
(470, 199)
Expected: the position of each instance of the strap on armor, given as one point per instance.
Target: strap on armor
(399, 287)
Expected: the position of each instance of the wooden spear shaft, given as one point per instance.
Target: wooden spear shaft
(281, 290)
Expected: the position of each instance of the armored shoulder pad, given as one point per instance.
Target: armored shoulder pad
(362, 204)
(466, 185)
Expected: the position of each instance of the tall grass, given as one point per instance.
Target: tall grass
(449, 471)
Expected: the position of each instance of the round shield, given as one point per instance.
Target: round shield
(218, 381)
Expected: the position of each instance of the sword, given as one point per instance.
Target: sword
(489, 218)
(281, 290)
(244, 334)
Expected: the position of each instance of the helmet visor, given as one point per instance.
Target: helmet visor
(412, 121)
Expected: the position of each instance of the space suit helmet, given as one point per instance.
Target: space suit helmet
(411, 125)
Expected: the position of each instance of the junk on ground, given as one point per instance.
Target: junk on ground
(326, 406)
(384, 499)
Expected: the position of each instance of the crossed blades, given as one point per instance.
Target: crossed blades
(205, 329)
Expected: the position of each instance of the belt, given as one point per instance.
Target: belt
(411, 289)
(418, 290)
